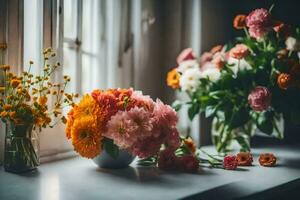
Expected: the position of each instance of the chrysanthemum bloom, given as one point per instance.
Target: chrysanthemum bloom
(260, 98)
(267, 159)
(173, 79)
(191, 146)
(86, 137)
(15, 83)
(86, 107)
(230, 162)
(284, 81)
(141, 101)
(258, 32)
(190, 80)
(216, 49)
(188, 163)
(186, 54)
(239, 22)
(259, 17)
(167, 160)
(239, 51)
(244, 159)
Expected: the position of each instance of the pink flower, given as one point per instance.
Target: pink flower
(186, 54)
(147, 147)
(239, 51)
(259, 17)
(206, 57)
(260, 98)
(189, 163)
(164, 114)
(122, 130)
(141, 100)
(230, 162)
(258, 32)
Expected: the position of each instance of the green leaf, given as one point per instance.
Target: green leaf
(110, 147)
(243, 142)
(264, 123)
(210, 111)
(193, 110)
(177, 105)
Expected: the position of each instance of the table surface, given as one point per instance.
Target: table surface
(78, 178)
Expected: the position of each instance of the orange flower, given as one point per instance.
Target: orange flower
(7, 107)
(267, 159)
(216, 49)
(70, 122)
(189, 143)
(86, 107)
(5, 67)
(244, 159)
(284, 81)
(43, 100)
(239, 22)
(86, 138)
(15, 83)
(3, 114)
(239, 51)
(173, 79)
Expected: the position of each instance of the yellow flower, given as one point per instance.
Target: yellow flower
(173, 79)
(43, 100)
(86, 138)
(7, 107)
(15, 82)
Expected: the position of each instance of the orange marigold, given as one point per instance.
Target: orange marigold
(70, 122)
(173, 79)
(267, 159)
(284, 81)
(239, 22)
(86, 137)
(86, 107)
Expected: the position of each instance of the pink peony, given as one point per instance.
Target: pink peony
(260, 98)
(230, 162)
(186, 54)
(258, 32)
(141, 100)
(189, 163)
(164, 114)
(239, 51)
(147, 147)
(259, 17)
(127, 127)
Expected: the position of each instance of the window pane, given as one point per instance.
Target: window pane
(70, 18)
(90, 24)
(90, 73)
(33, 34)
(69, 67)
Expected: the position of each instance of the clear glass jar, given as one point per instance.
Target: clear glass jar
(21, 151)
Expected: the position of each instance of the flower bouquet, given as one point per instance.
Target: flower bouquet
(123, 119)
(25, 109)
(245, 85)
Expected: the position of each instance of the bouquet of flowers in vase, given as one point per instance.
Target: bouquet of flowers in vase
(123, 119)
(247, 84)
(24, 107)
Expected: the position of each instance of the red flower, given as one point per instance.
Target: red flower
(189, 163)
(282, 29)
(239, 22)
(244, 159)
(167, 160)
(230, 162)
(260, 98)
(186, 54)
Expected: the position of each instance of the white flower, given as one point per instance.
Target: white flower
(188, 64)
(238, 65)
(190, 80)
(292, 44)
(213, 74)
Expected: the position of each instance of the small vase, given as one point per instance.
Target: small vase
(104, 160)
(21, 152)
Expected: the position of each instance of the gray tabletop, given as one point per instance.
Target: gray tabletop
(78, 178)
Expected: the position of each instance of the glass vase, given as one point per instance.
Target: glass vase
(21, 151)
